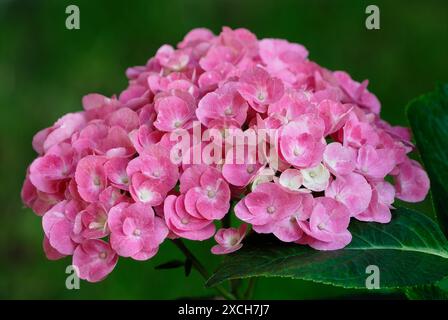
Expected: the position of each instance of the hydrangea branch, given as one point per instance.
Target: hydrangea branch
(200, 268)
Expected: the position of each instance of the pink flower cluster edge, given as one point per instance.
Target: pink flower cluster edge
(106, 186)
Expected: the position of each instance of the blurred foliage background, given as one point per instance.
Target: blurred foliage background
(45, 69)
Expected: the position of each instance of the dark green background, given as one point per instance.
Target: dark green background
(45, 69)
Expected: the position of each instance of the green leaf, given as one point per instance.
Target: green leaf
(428, 116)
(410, 250)
(187, 267)
(428, 292)
(170, 265)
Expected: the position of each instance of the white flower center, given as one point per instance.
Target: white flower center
(96, 181)
(270, 209)
(211, 193)
(156, 174)
(228, 111)
(145, 195)
(124, 180)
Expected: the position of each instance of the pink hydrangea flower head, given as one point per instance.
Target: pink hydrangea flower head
(111, 196)
(301, 141)
(224, 104)
(327, 227)
(94, 260)
(144, 137)
(152, 175)
(291, 179)
(184, 224)
(190, 178)
(174, 60)
(260, 89)
(264, 175)
(240, 40)
(375, 163)
(134, 96)
(115, 170)
(173, 113)
(116, 143)
(383, 194)
(195, 37)
(338, 159)
(411, 182)
(281, 57)
(91, 177)
(288, 229)
(268, 203)
(229, 240)
(46, 173)
(217, 120)
(291, 105)
(58, 224)
(94, 101)
(91, 223)
(37, 200)
(61, 131)
(334, 115)
(135, 231)
(358, 133)
(211, 198)
(353, 190)
(236, 47)
(125, 118)
(357, 92)
(241, 166)
(50, 252)
(316, 178)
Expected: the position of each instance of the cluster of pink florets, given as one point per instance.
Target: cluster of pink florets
(106, 185)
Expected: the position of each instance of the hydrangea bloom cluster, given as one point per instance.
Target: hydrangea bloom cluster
(110, 181)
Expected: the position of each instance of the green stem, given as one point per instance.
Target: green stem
(201, 269)
(250, 289)
(226, 223)
(234, 286)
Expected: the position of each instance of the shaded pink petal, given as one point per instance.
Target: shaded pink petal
(412, 182)
(375, 163)
(352, 190)
(50, 252)
(291, 179)
(302, 143)
(135, 231)
(91, 177)
(181, 223)
(115, 170)
(334, 115)
(124, 118)
(229, 240)
(338, 159)
(288, 230)
(94, 260)
(259, 89)
(172, 113)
